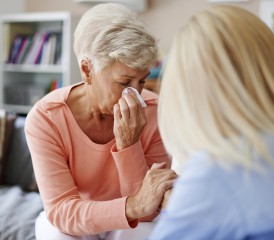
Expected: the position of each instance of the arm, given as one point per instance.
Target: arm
(138, 142)
(132, 171)
(133, 162)
(133, 155)
(65, 209)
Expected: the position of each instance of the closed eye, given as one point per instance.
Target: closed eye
(142, 82)
(124, 84)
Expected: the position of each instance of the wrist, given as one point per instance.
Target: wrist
(133, 211)
(120, 146)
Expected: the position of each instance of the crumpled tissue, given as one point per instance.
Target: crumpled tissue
(137, 94)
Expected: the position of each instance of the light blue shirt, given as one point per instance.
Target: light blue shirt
(213, 203)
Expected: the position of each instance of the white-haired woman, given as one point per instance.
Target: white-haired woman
(98, 156)
(216, 116)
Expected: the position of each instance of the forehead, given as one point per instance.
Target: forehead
(121, 70)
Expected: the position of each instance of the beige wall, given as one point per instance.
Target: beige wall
(14, 6)
(163, 17)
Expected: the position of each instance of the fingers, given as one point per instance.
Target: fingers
(124, 109)
(117, 112)
(159, 165)
(162, 178)
(132, 99)
(165, 199)
(131, 104)
(129, 121)
(162, 171)
(166, 185)
(136, 95)
(156, 182)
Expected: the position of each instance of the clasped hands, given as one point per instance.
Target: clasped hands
(157, 183)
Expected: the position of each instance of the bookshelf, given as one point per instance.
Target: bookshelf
(28, 73)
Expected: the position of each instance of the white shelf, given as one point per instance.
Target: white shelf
(32, 68)
(35, 17)
(22, 84)
(17, 108)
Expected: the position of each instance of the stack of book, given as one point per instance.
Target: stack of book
(38, 48)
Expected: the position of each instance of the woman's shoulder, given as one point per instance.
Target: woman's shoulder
(150, 98)
(44, 109)
(56, 98)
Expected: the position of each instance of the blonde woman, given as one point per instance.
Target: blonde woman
(98, 157)
(216, 115)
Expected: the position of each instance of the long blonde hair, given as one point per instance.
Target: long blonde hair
(217, 92)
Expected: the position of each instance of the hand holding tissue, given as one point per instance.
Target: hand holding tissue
(126, 90)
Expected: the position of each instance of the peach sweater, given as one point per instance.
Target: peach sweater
(84, 185)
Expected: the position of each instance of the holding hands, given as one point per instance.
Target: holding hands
(148, 199)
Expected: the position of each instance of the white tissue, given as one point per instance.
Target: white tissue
(137, 94)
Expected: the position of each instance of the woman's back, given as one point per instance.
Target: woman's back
(211, 202)
(217, 96)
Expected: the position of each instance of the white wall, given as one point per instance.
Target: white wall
(163, 17)
(12, 6)
(267, 12)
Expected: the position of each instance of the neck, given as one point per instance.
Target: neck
(83, 102)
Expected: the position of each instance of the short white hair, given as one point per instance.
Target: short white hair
(112, 32)
(217, 92)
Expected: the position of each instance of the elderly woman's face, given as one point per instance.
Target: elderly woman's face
(111, 81)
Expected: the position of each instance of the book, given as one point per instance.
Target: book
(49, 49)
(43, 41)
(24, 51)
(15, 48)
(58, 51)
(34, 51)
(10, 31)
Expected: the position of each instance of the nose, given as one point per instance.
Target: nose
(135, 85)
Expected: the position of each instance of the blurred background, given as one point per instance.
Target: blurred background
(162, 18)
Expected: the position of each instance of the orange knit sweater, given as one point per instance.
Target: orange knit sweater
(84, 185)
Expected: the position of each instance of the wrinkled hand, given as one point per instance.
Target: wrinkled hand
(165, 199)
(129, 120)
(149, 197)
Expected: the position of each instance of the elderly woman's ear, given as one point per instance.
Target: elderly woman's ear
(86, 72)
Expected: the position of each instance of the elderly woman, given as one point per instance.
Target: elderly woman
(97, 153)
(217, 119)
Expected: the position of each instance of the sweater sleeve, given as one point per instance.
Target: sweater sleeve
(64, 207)
(133, 162)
